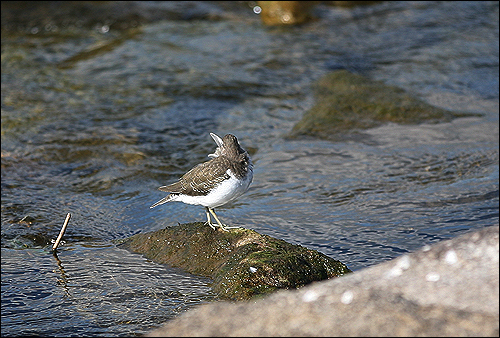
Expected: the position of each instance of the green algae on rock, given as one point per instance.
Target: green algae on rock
(242, 263)
(347, 102)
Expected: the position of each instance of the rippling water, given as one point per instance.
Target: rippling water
(94, 290)
(97, 115)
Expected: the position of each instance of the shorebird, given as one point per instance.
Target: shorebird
(216, 182)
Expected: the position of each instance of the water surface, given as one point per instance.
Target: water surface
(97, 115)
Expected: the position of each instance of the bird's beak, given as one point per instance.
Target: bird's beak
(217, 140)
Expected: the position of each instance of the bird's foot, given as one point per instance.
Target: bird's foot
(211, 225)
(222, 226)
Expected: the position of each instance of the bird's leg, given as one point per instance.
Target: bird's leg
(212, 211)
(209, 221)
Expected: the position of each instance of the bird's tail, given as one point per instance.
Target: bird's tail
(162, 201)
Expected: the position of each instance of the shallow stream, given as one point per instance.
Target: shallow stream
(97, 114)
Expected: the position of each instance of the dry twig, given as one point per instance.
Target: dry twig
(61, 233)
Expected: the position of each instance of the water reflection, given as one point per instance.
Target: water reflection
(63, 280)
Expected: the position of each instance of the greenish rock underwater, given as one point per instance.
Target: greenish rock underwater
(347, 103)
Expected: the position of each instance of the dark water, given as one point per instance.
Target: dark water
(97, 114)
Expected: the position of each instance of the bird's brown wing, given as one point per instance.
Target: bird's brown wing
(201, 179)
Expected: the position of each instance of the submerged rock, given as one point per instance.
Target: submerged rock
(286, 12)
(241, 262)
(347, 102)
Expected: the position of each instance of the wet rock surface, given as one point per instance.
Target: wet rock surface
(449, 289)
(242, 263)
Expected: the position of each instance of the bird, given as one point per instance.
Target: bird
(222, 179)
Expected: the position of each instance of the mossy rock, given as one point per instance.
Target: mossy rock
(242, 263)
(347, 103)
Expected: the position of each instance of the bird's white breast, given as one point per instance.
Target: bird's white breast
(225, 192)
